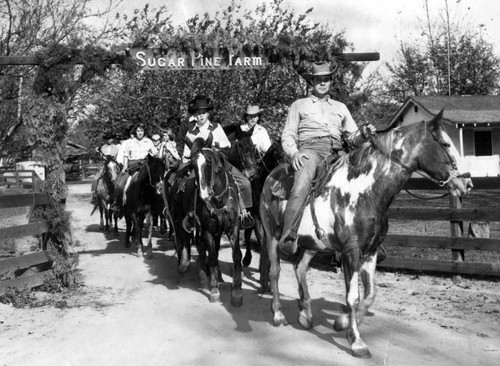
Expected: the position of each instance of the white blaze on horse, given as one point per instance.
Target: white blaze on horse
(348, 214)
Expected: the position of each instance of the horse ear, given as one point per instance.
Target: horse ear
(208, 141)
(434, 123)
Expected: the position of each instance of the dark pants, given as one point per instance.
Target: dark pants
(317, 151)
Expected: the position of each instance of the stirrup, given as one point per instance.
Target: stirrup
(247, 221)
(190, 221)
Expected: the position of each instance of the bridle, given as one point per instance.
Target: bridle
(242, 158)
(211, 190)
(450, 174)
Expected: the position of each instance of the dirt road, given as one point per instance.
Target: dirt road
(137, 312)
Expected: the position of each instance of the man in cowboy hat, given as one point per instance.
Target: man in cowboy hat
(314, 129)
(203, 127)
(260, 137)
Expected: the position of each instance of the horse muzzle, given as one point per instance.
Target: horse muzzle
(459, 184)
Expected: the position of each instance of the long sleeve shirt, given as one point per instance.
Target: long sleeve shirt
(312, 117)
(195, 131)
(139, 149)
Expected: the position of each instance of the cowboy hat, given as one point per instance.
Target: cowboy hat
(253, 110)
(200, 102)
(318, 69)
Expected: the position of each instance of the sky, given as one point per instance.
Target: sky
(371, 25)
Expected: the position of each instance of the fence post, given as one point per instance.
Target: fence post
(456, 230)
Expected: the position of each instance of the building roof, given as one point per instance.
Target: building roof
(470, 109)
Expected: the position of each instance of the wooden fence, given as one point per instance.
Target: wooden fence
(20, 178)
(30, 270)
(457, 243)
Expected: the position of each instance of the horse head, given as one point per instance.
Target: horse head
(208, 163)
(437, 157)
(112, 168)
(243, 153)
(152, 172)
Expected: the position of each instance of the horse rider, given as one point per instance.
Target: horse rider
(203, 127)
(134, 154)
(107, 151)
(260, 137)
(123, 145)
(168, 149)
(314, 129)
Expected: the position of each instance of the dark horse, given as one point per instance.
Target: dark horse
(244, 156)
(219, 212)
(141, 196)
(105, 193)
(349, 214)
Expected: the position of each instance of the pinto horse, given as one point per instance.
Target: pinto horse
(219, 212)
(141, 196)
(105, 193)
(349, 214)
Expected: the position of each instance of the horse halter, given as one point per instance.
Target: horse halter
(454, 173)
(451, 161)
(211, 190)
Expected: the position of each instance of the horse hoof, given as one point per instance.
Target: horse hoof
(149, 255)
(236, 301)
(215, 297)
(127, 244)
(304, 321)
(101, 227)
(361, 353)
(279, 320)
(183, 267)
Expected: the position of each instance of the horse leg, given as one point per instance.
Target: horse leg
(137, 232)
(274, 274)
(183, 245)
(264, 267)
(106, 217)
(115, 219)
(149, 251)
(101, 214)
(202, 260)
(163, 224)
(305, 315)
(248, 251)
(349, 321)
(236, 295)
(213, 265)
(128, 230)
(368, 278)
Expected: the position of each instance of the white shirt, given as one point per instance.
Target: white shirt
(260, 137)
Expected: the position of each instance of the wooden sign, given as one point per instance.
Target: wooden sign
(218, 59)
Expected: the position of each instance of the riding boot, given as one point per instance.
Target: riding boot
(291, 220)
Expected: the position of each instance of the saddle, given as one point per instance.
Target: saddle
(283, 184)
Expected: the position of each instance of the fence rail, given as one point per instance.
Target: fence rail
(30, 270)
(20, 178)
(456, 242)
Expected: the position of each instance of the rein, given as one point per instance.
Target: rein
(212, 178)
